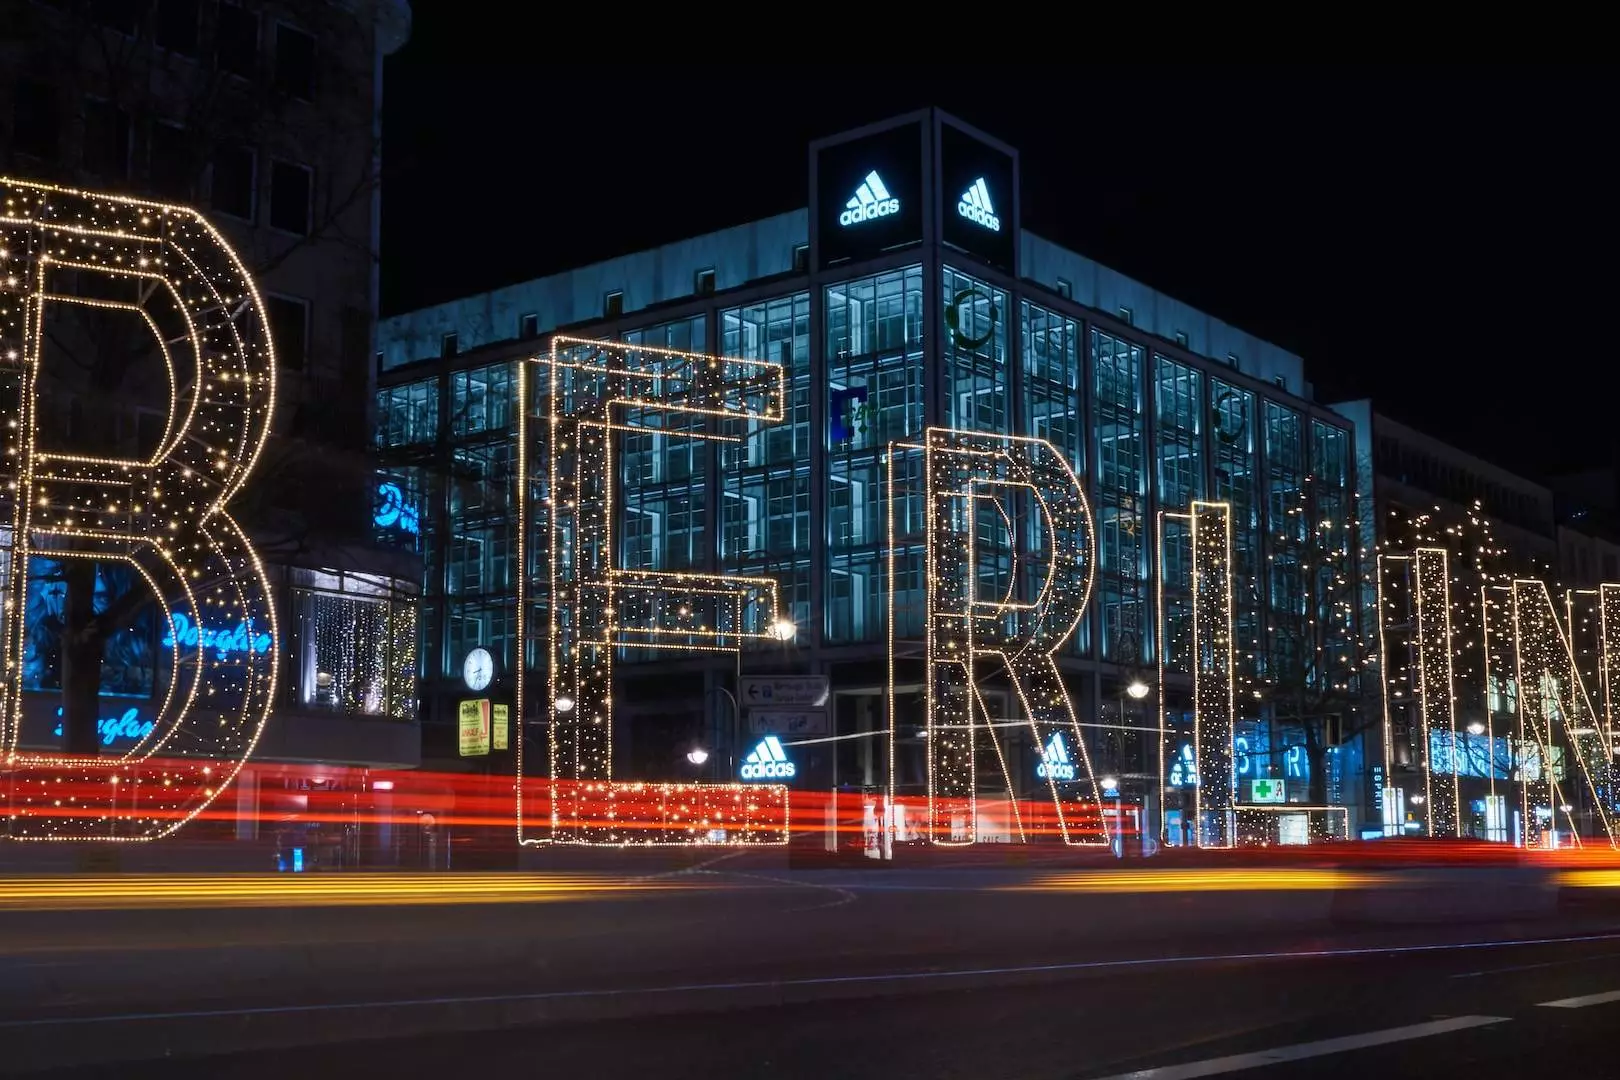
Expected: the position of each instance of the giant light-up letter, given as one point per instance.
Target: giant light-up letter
(66, 256)
(1416, 641)
(593, 394)
(967, 477)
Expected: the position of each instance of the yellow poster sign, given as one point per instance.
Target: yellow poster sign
(503, 735)
(474, 717)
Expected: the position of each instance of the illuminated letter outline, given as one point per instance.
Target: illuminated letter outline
(219, 419)
(585, 621)
(960, 628)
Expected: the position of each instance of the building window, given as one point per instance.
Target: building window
(1125, 316)
(354, 637)
(295, 63)
(232, 189)
(170, 165)
(449, 345)
(703, 282)
(1181, 338)
(289, 330)
(1064, 289)
(236, 41)
(106, 140)
(801, 258)
(1281, 381)
(408, 414)
(528, 327)
(613, 305)
(290, 197)
(176, 26)
(1232, 359)
(36, 125)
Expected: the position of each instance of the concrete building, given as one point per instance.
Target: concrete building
(266, 117)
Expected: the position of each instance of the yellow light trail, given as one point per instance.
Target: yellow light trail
(318, 890)
(1205, 880)
(1589, 879)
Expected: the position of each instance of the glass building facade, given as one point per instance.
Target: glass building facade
(875, 351)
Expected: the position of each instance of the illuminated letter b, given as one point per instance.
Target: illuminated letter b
(136, 503)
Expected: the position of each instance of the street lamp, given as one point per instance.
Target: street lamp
(564, 703)
(697, 755)
(1476, 728)
(784, 629)
(1137, 689)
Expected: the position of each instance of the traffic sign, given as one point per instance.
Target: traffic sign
(788, 721)
(1267, 791)
(787, 690)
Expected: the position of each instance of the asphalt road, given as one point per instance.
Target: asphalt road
(910, 979)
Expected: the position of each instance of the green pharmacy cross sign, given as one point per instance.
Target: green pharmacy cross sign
(1266, 791)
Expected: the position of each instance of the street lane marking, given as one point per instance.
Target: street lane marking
(1581, 1002)
(901, 977)
(1303, 1051)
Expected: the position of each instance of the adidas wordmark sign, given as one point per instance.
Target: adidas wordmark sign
(975, 206)
(1055, 763)
(872, 200)
(768, 762)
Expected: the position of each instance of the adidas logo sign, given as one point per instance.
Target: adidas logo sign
(1055, 763)
(872, 200)
(975, 206)
(768, 762)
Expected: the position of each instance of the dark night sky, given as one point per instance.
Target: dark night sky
(1441, 242)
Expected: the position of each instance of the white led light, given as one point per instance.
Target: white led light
(164, 515)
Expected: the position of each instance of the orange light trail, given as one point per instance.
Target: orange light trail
(320, 890)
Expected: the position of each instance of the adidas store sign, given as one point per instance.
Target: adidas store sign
(975, 206)
(1055, 763)
(768, 762)
(872, 200)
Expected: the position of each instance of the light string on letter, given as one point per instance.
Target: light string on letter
(593, 393)
(64, 254)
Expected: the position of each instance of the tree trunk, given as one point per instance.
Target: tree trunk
(1316, 763)
(82, 651)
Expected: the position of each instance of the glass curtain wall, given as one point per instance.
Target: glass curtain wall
(1179, 471)
(407, 437)
(1233, 449)
(765, 474)
(663, 519)
(479, 572)
(1121, 490)
(875, 394)
(1054, 406)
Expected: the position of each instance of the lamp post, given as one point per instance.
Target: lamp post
(736, 726)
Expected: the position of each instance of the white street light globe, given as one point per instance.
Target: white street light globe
(1110, 781)
(1137, 689)
(1476, 728)
(697, 755)
(564, 703)
(784, 629)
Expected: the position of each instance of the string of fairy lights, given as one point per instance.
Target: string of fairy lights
(592, 394)
(964, 472)
(168, 268)
(1500, 677)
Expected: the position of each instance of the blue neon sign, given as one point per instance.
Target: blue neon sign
(129, 727)
(224, 642)
(393, 512)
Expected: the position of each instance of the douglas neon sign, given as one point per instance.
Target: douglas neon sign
(394, 512)
(129, 727)
(240, 640)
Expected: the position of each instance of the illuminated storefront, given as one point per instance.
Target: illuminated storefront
(907, 296)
